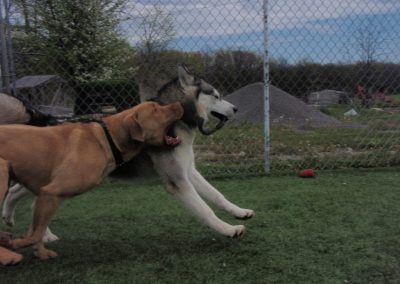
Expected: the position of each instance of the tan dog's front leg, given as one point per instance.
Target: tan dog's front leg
(45, 207)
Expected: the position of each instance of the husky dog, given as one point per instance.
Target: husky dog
(201, 101)
(176, 166)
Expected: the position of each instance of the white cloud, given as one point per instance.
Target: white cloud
(296, 13)
(207, 17)
(224, 17)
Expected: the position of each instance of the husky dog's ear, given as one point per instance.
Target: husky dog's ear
(184, 66)
(185, 78)
(135, 130)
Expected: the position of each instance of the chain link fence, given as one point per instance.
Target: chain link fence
(333, 66)
(341, 59)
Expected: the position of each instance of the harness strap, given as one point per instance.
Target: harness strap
(115, 151)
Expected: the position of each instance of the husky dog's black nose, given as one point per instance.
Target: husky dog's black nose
(235, 109)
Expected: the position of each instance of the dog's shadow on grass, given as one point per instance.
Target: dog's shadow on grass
(149, 246)
(72, 252)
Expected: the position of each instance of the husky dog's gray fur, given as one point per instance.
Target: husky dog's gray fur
(176, 166)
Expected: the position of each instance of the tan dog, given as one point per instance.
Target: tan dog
(62, 161)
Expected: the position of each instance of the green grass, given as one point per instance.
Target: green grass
(372, 140)
(341, 227)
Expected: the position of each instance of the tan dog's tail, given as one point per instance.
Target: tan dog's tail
(4, 178)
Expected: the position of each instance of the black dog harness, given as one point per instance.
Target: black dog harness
(115, 151)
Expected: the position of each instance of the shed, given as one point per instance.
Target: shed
(45, 90)
(328, 97)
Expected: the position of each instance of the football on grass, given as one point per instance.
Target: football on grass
(307, 173)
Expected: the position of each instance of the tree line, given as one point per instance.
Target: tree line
(82, 42)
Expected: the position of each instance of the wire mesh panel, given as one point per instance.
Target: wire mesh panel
(341, 60)
(89, 57)
(334, 71)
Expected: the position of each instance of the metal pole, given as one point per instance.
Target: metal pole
(7, 5)
(267, 144)
(4, 58)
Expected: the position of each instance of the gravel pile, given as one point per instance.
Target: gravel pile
(283, 108)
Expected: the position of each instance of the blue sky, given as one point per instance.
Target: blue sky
(322, 31)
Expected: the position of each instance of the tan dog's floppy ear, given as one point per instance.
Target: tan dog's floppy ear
(135, 130)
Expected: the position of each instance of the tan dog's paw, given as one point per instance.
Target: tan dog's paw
(244, 214)
(236, 231)
(8, 257)
(49, 237)
(45, 254)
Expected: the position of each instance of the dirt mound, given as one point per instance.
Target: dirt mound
(283, 108)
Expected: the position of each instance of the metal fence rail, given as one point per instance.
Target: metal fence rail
(334, 71)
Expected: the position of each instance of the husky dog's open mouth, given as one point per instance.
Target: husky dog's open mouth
(220, 116)
(222, 120)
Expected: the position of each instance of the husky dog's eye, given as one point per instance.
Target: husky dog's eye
(208, 92)
(214, 94)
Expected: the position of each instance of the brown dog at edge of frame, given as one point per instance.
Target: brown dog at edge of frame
(62, 161)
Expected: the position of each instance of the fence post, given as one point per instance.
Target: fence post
(267, 144)
(10, 50)
(4, 57)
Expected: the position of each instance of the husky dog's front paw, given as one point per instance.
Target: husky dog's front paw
(244, 214)
(235, 231)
